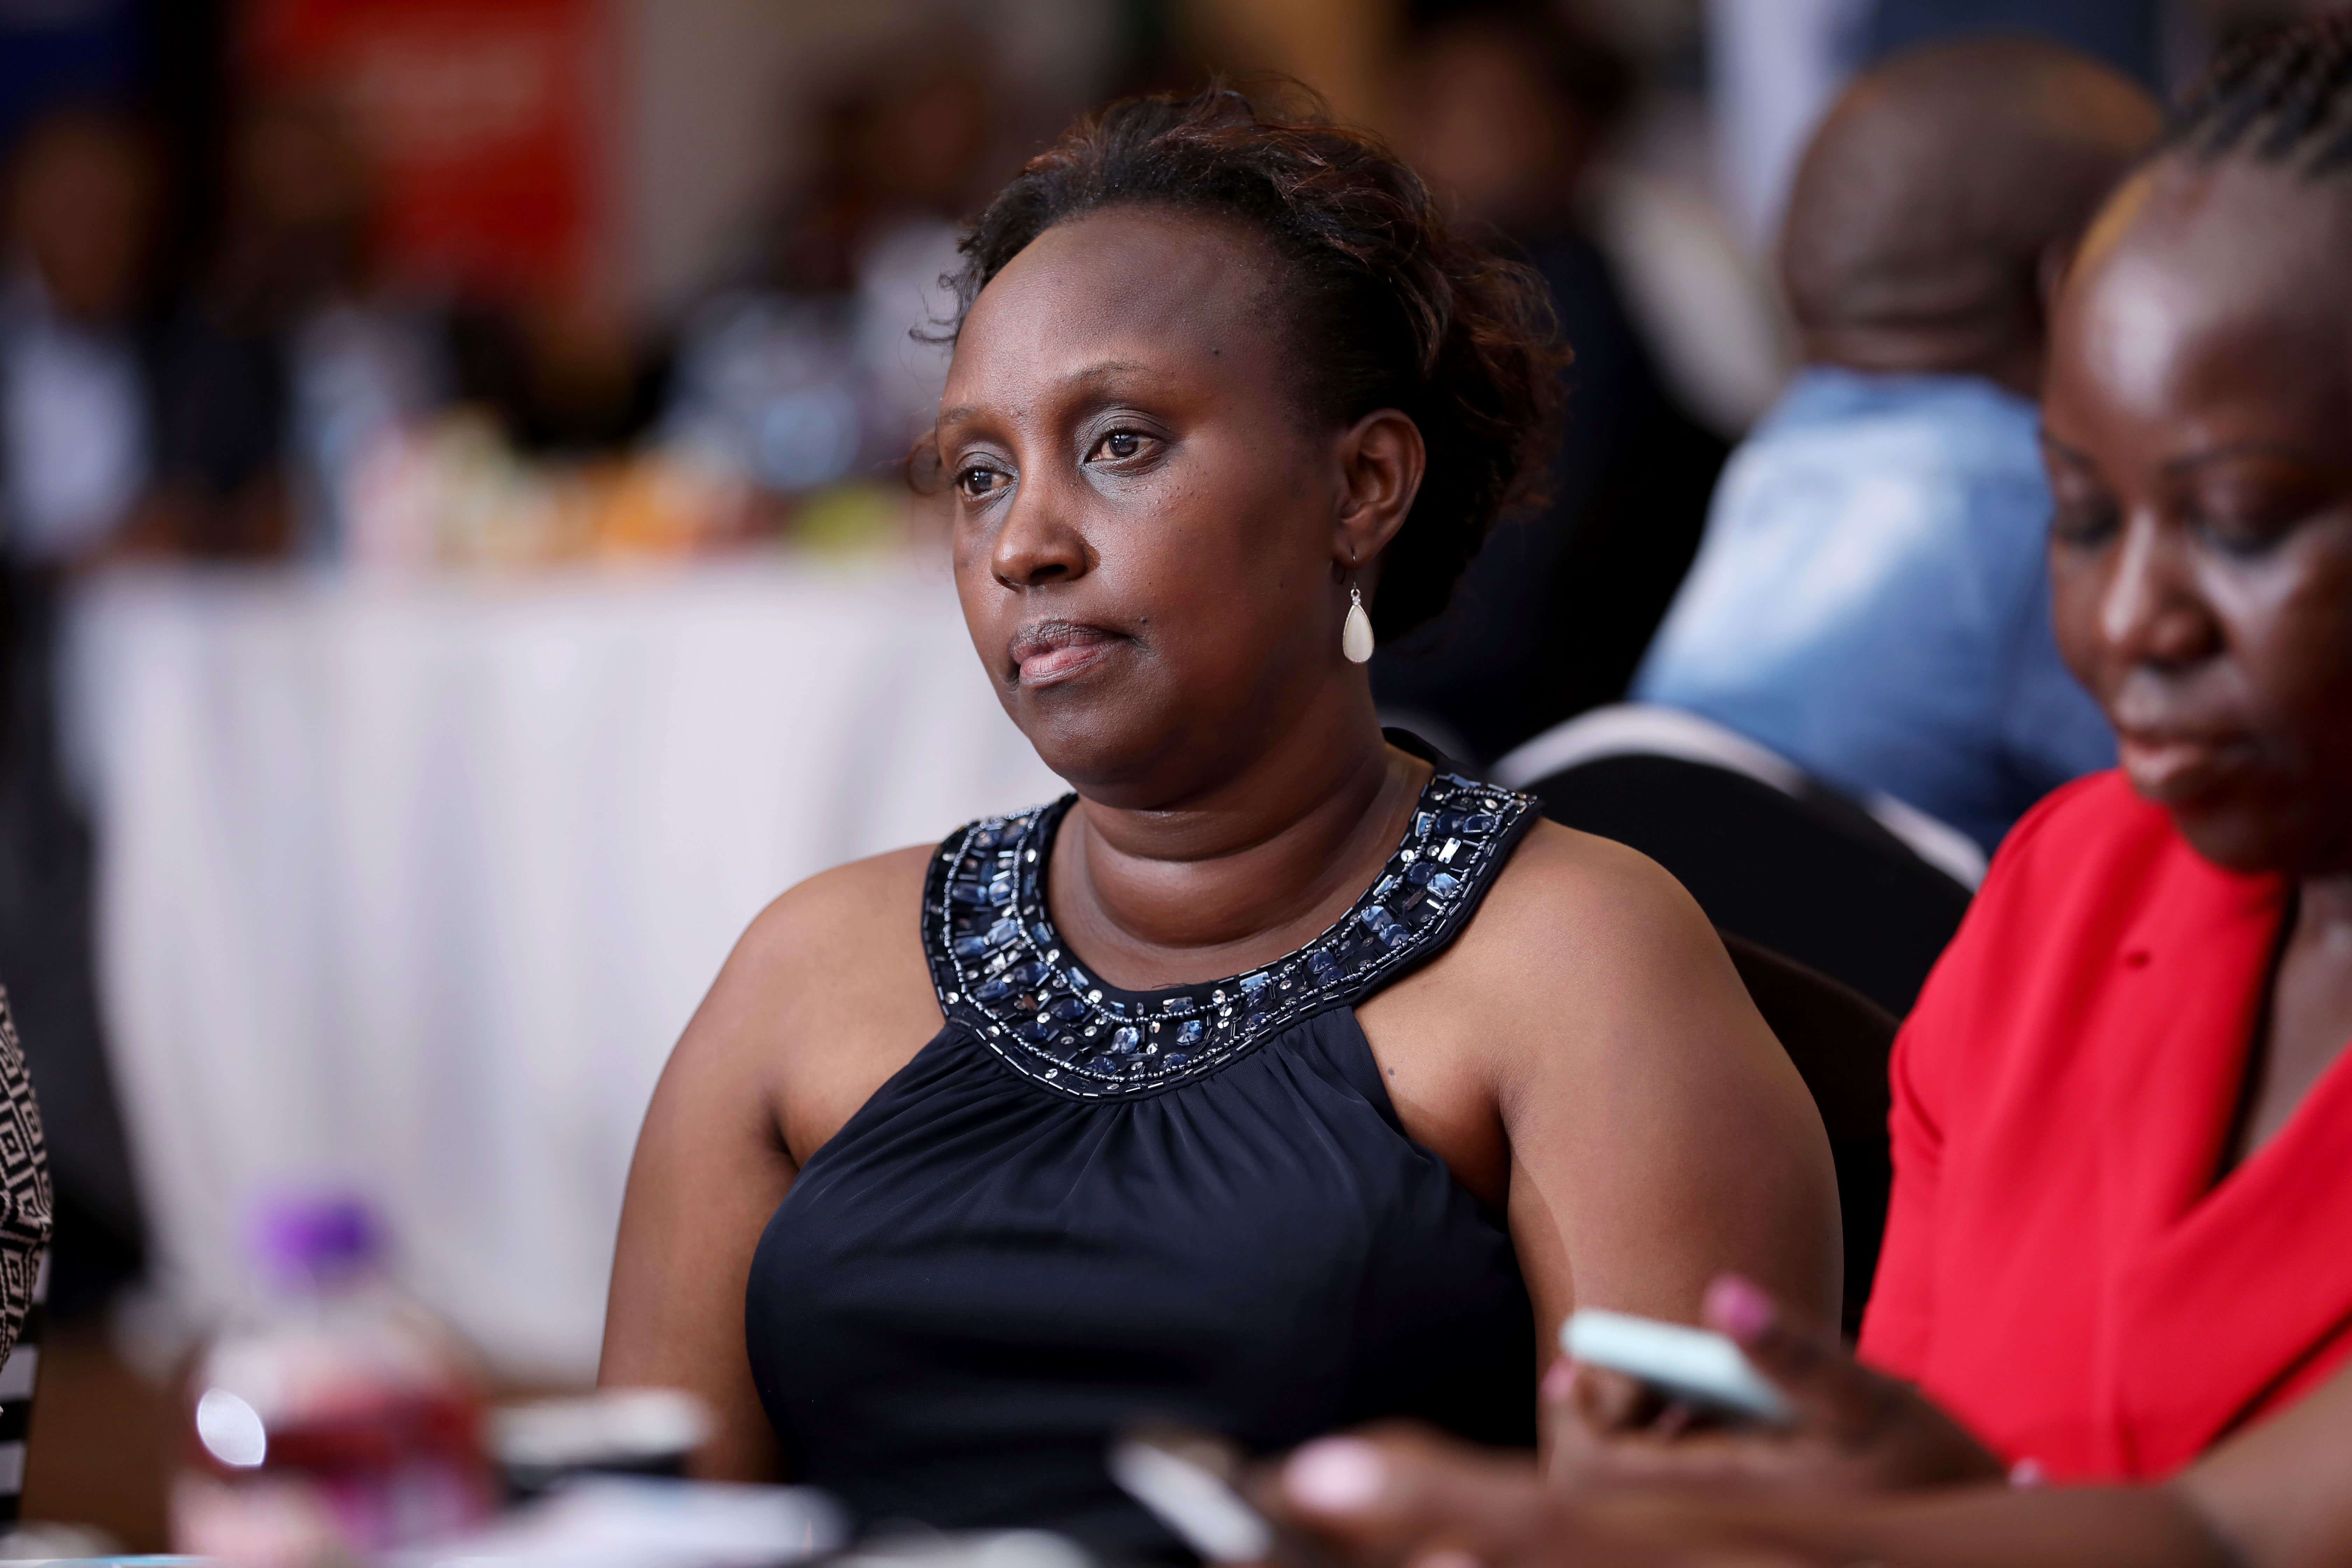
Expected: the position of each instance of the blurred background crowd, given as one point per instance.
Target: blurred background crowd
(458, 565)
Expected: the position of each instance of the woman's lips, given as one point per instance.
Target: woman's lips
(1057, 650)
(2169, 768)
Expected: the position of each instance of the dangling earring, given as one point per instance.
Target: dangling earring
(1356, 637)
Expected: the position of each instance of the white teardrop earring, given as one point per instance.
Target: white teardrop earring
(1356, 637)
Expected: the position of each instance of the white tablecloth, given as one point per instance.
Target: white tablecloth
(415, 885)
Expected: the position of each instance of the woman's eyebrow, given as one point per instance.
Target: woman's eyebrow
(1105, 370)
(1100, 380)
(2051, 442)
(1100, 376)
(2229, 449)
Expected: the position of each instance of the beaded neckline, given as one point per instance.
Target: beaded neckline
(999, 968)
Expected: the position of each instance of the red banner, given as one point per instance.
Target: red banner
(482, 119)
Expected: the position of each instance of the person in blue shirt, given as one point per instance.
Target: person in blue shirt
(1870, 599)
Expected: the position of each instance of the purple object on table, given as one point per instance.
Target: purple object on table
(303, 1239)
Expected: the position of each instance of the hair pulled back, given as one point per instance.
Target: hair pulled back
(1387, 308)
(2281, 96)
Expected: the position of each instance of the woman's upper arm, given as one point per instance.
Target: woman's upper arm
(825, 997)
(1658, 1133)
(710, 1167)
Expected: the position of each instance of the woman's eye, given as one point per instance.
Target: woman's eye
(978, 480)
(1118, 446)
(2083, 523)
(2244, 508)
(2240, 535)
(2251, 525)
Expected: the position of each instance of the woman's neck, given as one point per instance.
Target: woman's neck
(2306, 1019)
(1241, 874)
(2323, 911)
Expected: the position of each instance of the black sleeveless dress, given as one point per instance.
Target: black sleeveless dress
(1078, 1206)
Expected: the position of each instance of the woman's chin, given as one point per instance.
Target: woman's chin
(2241, 834)
(1091, 742)
(1121, 750)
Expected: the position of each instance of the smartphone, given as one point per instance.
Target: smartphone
(1188, 1480)
(1690, 1366)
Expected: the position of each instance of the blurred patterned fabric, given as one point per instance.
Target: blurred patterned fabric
(26, 1218)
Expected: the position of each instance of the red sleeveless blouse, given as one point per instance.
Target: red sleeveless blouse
(2063, 1270)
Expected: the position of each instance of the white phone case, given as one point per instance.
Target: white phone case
(1692, 1365)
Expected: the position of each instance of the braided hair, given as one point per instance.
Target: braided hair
(1387, 307)
(2281, 96)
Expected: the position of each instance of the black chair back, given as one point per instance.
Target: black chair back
(1810, 876)
(1839, 1040)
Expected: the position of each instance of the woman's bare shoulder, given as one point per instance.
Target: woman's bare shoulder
(843, 946)
(1588, 953)
(1586, 908)
(826, 995)
(843, 915)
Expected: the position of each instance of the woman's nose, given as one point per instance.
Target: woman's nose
(2151, 609)
(1037, 544)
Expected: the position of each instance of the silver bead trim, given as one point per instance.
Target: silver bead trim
(997, 966)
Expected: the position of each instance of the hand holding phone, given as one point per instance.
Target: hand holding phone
(1694, 1367)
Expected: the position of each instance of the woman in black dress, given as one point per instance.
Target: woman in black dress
(1279, 1078)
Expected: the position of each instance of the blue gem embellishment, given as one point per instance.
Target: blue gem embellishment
(998, 966)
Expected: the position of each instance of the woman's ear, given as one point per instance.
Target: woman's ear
(1381, 460)
(2050, 267)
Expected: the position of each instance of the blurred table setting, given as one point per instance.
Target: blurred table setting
(409, 882)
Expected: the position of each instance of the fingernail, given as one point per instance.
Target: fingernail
(1739, 1308)
(1447, 1557)
(1559, 1381)
(1336, 1475)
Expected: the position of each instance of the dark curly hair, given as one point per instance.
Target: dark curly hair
(2282, 96)
(1388, 307)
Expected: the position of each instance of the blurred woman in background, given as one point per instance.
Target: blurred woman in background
(806, 373)
(1278, 1078)
(81, 449)
(1507, 107)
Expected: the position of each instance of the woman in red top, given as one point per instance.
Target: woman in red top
(2121, 1229)
(2122, 1223)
